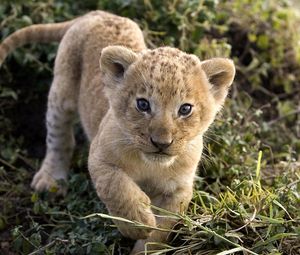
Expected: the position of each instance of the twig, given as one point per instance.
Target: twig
(283, 117)
(48, 245)
(7, 164)
(26, 161)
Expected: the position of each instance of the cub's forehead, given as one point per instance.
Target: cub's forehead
(167, 63)
(167, 71)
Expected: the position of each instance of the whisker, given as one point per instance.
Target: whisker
(212, 139)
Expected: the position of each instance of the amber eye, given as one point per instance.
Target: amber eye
(143, 105)
(185, 110)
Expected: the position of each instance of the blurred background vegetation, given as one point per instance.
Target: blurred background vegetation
(262, 114)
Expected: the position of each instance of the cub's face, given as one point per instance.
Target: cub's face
(164, 99)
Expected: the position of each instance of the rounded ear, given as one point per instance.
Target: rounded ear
(115, 60)
(220, 73)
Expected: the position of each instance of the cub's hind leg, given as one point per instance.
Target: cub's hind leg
(60, 140)
(62, 107)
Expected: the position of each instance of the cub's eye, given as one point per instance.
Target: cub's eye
(185, 110)
(143, 105)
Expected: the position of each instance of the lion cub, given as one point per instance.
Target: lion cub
(144, 111)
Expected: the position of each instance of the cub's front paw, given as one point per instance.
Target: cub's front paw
(46, 180)
(140, 213)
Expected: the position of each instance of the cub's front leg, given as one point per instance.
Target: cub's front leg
(175, 202)
(122, 197)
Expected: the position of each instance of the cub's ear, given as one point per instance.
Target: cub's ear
(220, 74)
(114, 62)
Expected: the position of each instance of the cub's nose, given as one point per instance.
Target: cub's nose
(162, 145)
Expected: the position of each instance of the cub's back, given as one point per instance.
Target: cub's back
(82, 45)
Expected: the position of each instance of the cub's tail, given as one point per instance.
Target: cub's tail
(42, 33)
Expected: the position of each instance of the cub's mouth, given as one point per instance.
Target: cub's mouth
(158, 157)
(160, 153)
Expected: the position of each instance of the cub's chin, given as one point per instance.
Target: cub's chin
(158, 158)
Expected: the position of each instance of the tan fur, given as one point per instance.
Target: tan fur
(128, 172)
(35, 33)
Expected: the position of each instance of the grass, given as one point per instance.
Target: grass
(247, 195)
(253, 209)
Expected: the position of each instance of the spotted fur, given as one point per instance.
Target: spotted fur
(136, 158)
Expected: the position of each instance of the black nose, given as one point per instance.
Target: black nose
(162, 145)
